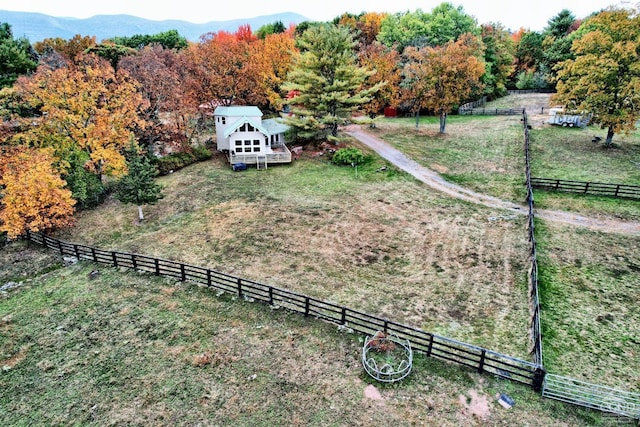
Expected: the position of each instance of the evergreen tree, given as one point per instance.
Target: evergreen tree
(16, 56)
(138, 186)
(327, 82)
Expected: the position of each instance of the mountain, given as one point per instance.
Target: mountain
(37, 26)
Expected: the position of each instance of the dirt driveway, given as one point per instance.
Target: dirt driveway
(435, 181)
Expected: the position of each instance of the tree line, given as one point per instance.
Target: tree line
(77, 114)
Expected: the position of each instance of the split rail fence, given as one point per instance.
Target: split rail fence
(432, 345)
(569, 390)
(622, 191)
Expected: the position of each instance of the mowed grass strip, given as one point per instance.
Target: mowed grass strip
(590, 289)
(122, 348)
(380, 243)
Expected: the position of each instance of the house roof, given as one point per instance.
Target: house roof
(274, 126)
(231, 129)
(237, 111)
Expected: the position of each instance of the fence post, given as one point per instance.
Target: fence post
(75, 249)
(482, 357)
(343, 317)
(208, 277)
(60, 247)
(93, 254)
(306, 306)
(617, 189)
(239, 287)
(386, 326)
(133, 261)
(270, 295)
(430, 347)
(538, 379)
(115, 259)
(183, 275)
(586, 187)
(156, 261)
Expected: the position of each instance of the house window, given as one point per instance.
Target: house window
(238, 143)
(250, 128)
(224, 120)
(256, 149)
(256, 142)
(239, 150)
(247, 142)
(243, 128)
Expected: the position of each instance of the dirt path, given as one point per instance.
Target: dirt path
(435, 181)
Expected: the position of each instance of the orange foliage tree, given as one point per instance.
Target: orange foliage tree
(385, 61)
(70, 49)
(276, 55)
(33, 197)
(438, 78)
(85, 106)
(223, 69)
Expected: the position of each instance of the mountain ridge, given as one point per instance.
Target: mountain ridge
(38, 26)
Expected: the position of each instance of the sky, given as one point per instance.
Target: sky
(512, 14)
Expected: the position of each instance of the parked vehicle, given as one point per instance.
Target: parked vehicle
(560, 118)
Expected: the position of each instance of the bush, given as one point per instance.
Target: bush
(348, 156)
(175, 161)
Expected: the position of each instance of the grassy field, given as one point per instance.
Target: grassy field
(590, 289)
(483, 153)
(122, 348)
(380, 243)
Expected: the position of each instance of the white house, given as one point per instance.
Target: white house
(246, 138)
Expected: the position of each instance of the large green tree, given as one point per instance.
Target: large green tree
(16, 56)
(445, 23)
(603, 79)
(499, 58)
(327, 82)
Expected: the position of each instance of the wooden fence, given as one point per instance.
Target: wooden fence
(592, 396)
(622, 191)
(535, 327)
(491, 111)
(432, 345)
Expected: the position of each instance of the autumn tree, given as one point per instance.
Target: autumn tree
(159, 72)
(438, 78)
(445, 23)
(84, 106)
(275, 55)
(71, 49)
(269, 29)
(327, 82)
(385, 61)
(33, 197)
(604, 78)
(530, 71)
(138, 186)
(17, 57)
(223, 69)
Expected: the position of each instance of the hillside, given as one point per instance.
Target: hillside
(37, 26)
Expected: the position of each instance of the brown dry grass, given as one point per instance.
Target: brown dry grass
(389, 247)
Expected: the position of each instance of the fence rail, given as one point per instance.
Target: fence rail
(535, 327)
(491, 111)
(592, 396)
(584, 187)
(432, 345)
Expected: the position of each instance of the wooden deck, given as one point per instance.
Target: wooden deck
(278, 154)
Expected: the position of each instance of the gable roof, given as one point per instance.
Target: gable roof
(234, 127)
(237, 111)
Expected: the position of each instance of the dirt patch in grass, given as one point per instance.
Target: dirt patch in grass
(215, 361)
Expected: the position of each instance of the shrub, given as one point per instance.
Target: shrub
(175, 161)
(348, 156)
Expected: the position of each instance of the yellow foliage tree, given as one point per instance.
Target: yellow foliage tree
(33, 197)
(85, 105)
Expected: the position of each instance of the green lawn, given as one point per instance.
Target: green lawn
(123, 348)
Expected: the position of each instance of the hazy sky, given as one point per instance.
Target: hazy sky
(512, 14)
